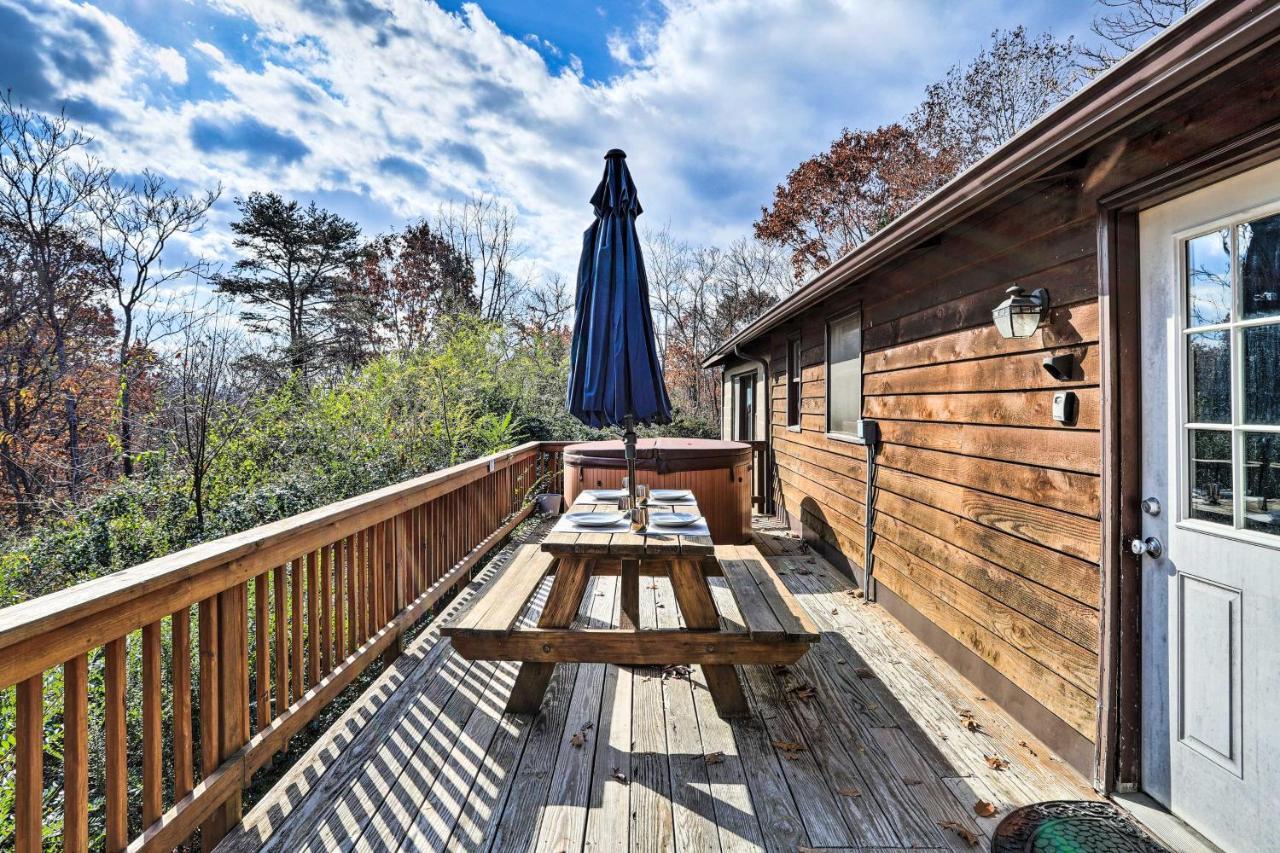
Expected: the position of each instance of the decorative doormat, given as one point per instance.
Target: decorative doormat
(1071, 826)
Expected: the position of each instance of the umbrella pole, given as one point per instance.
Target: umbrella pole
(629, 446)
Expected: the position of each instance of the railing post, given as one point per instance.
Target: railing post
(233, 698)
(400, 578)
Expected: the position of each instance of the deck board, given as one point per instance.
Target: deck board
(427, 759)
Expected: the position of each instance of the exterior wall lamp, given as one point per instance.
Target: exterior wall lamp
(1019, 315)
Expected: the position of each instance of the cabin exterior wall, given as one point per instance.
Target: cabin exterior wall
(988, 514)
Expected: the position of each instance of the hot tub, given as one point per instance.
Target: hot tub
(718, 473)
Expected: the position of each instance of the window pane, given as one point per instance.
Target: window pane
(1211, 476)
(793, 383)
(1209, 278)
(1262, 479)
(1262, 375)
(1260, 267)
(844, 374)
(1209, 365)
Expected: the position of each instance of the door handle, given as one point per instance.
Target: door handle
(1151, 546)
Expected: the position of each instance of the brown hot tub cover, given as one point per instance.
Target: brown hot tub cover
(664, 455)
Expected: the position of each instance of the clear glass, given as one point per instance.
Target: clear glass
(1209, 374)
(1262, 375)
(1259, 247)
(1209, 278)
(1262, 482)
(1211, 476)
(844, 374)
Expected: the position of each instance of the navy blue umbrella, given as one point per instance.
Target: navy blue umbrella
(615, 378)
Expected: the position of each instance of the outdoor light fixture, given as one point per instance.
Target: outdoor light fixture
(1019, 315)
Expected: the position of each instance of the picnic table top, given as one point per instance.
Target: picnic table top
(665, 544)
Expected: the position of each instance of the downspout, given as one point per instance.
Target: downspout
(768, 421)
(870, 440)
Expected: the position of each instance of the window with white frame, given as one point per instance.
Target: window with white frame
(844, 374)
(1232, 380)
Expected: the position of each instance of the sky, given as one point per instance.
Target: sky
(382, 110)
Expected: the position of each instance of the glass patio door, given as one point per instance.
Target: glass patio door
(1210, 305)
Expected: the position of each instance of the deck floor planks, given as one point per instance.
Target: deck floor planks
(608, 811)
(693, 810)
(652, 821)
(564, 819)
(427, 759)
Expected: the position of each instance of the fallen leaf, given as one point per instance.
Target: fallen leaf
(619, 776)
(781, 670)
(790, 749)
(984, 809)
(676, 670)
(578, 739)
(835, 611)
(995, 762)
(714, 758)
(849, 792)
(960, 830)
(804, 692)
(856, 593)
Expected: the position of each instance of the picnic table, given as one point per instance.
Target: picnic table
(774, 627)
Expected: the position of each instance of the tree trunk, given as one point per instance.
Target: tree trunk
(126, 397)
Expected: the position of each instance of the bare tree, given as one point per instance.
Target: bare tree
(1122, 25)
(546, 306)
(136, 223)
(205, 398)
(45, 182)
(484, 230)
(1012, 81)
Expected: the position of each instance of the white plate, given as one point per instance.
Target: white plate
(595, 519)
(673, 519)
(671, 495)
(606, 494)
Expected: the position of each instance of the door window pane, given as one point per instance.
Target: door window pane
(1209, 366)
(1211, 475)
(1209, 278)
(844, 374)
(1262, 482)
(1262, 375)
(1260, 267)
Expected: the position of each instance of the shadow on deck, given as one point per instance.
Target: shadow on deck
(869, 742)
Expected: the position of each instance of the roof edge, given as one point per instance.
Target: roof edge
(1211, 34)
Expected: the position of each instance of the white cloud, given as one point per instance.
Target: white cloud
(402, 105)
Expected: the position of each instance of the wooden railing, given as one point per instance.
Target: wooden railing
(761, 478)
(284, 615)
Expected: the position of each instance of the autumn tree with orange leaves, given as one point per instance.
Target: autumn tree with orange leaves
(837, 199)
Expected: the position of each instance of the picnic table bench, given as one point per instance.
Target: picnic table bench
(774, 628)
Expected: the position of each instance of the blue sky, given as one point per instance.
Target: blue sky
(384, 109)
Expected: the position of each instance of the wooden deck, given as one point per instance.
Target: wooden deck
(870, 742)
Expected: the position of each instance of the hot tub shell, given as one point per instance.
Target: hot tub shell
(718, 473)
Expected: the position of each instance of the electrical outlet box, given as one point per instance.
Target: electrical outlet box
(1064, 407)
(868, 431)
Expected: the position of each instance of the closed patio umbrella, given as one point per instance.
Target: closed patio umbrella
(615, 378)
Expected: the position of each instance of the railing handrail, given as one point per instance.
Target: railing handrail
(233, 558)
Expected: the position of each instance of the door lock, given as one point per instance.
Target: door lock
(1151, 546)
(1151, 506)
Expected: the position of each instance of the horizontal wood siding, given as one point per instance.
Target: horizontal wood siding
(987, 510)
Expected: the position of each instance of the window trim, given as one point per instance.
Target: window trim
(1236, 429)
(830, 433)
(795, 384)
(738, 382)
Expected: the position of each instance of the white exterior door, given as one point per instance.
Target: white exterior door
(1210, 306)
